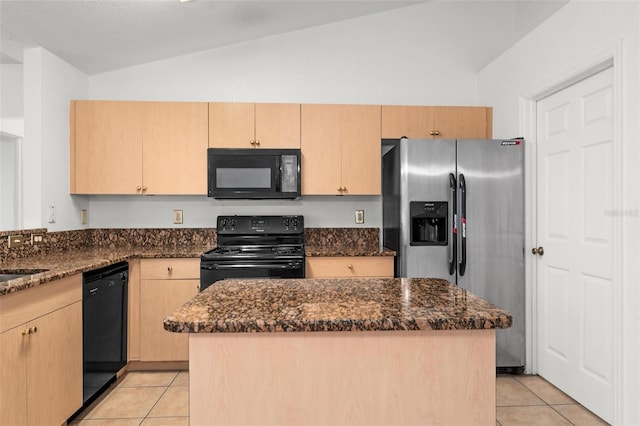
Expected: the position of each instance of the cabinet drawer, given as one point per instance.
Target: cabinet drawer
(169, 269)
(26, 305)
(366, 266)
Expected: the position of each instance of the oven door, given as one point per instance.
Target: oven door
(212, 271)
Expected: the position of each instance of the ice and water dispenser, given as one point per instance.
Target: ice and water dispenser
(429, 223)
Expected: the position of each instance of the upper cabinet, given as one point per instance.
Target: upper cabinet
(340, 149)
(120, 147)
(247, 125)
(436, 122)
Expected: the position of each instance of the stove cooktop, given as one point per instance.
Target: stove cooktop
(254, 252)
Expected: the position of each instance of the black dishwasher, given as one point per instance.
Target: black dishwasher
(104, 325)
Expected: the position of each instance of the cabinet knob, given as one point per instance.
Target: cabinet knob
(344, 188)
(138, 188)
(170, 269)
(29, 330)
(350, 266)
(257, 142)
(436, 133)
(339, 189)
(252, 143)
(144, 188)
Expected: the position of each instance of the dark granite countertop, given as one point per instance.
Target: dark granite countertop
(69, 262)
(345, 250)
(306, 305)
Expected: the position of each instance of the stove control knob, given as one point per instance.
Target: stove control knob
(295, 223)
(286, 222)
(223, 223)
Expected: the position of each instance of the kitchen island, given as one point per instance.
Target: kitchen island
(340, 351)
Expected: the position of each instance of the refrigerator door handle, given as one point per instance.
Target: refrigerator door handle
(453, 253)
(463, 224)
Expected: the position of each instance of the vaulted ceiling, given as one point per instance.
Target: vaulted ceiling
(102, 35)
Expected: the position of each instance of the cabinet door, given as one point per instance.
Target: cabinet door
(159, 299)
(462, 122)
(106, 147)
(231, 125)
(13, 377)
(174, 146)
(321, 150)
(414, 122)
(361, 156)
(444, 122)
(277, 125)
(54, 365)
(349, 267)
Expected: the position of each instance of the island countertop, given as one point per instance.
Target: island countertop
(306, 305)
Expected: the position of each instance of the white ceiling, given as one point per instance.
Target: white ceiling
(102, 35)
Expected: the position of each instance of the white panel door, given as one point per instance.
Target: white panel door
(575, 280)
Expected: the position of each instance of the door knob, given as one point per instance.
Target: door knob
(538, 250)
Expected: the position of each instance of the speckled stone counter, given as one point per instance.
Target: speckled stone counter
(335, 305)
(330, 242)
(367, 351)
(69, 262)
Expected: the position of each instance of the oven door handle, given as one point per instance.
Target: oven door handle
(254, 266)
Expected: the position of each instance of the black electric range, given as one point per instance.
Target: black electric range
(255, 247)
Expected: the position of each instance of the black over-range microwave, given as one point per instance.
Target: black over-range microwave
(253, 173)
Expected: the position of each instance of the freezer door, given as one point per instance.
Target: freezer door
(493, 176)
(425, 168)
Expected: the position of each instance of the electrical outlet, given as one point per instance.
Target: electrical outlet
(359, 217)
(83, 216)
(177, 216)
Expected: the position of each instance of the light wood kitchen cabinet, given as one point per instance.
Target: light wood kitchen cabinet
(340, 149)
(41, 353)
(165, 285)
(349, 266)
(436, 122)
(248, 125)
(120, 147)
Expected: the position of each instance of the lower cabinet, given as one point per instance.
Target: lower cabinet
(41, 353)
(349, 266)
(165, 285)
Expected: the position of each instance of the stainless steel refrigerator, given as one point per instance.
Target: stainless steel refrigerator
(454, 209)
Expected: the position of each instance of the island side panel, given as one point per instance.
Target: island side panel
(355, 378)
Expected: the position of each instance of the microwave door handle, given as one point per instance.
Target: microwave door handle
(278, 174)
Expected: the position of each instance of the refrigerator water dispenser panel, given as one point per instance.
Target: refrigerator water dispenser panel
(429, 223)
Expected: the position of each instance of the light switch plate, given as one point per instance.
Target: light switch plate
(177, 216)
(359, 216)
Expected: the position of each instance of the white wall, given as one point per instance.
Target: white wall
(568, 41)
(11, 93)
(415, 55)
(49, 85)
(135, 212)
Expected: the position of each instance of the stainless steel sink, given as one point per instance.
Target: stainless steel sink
(7, 275)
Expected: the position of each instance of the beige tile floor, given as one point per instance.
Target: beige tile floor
(531, 400)
(145, 398)
(162, 398)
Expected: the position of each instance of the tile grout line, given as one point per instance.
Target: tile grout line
(545, 402)
(161, 395)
